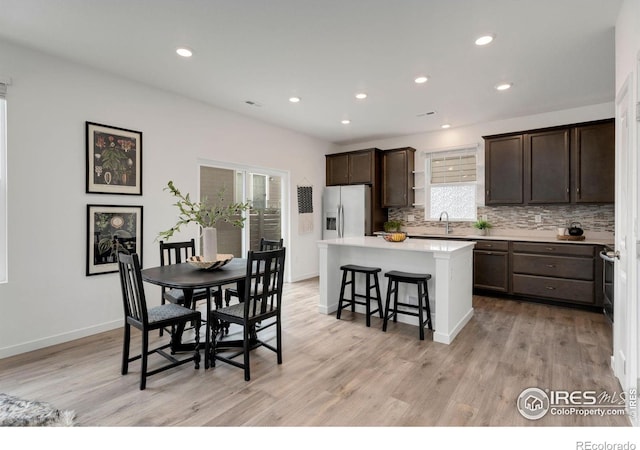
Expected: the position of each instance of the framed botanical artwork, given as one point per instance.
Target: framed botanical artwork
(114, 160)
(110, 230)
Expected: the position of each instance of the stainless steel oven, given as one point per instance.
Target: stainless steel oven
(608, 256)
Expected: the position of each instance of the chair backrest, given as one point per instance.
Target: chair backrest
(263, 284)
(176, 252)
(266, 244)
(135, 304)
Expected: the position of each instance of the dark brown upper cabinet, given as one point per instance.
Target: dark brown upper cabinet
(547, 156)
(594, 163)
(358, 167)
(337, 169)
(504, 170)
(565, 164)
(397, 177)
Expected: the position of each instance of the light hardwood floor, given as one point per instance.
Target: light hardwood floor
(340, 373)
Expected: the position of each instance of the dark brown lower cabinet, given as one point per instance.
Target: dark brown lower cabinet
(570, 273)
(491, 266)
(561, 273)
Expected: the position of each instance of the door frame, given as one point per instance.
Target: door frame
(625, 332)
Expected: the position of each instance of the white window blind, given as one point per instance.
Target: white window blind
(451, 184)
(3, 183)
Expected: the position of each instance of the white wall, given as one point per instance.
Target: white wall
(48, 298)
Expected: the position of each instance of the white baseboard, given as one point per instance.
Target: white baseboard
(37, 344)
(304, 277)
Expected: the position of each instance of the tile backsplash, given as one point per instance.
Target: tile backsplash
(597, 218)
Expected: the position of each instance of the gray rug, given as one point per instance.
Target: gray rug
(15, 412)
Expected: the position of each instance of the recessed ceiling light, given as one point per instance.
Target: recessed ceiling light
(294, 99)
(184, 52)
(361, 95)
(503, 86)
(345, 122)
(445, 126)
(484, 40)
(421, 79)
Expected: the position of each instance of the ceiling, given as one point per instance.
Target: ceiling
(558, 54)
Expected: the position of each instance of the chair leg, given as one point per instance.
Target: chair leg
(279, 339)
(125, 349)
(145, 351)
(353, 292)
(395, 302)
(378, 296)
(427, 305)
(245, 348)
(367, 300)
(420, 313)
(386, 308)
(342, 286)
(162, 302)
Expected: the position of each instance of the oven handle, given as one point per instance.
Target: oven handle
(610, 256)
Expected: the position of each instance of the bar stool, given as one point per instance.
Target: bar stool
(369, 272)
(419, 279)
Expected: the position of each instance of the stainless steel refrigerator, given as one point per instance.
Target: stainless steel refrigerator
(346, 211)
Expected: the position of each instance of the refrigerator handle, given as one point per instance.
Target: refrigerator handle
(340, 221)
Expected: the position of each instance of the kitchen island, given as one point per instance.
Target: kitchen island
(450, 264)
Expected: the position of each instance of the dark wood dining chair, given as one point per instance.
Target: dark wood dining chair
(177, 253)
(261, 300)
(265, 244)
(137, 314)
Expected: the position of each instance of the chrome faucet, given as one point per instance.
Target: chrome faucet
(446, 214)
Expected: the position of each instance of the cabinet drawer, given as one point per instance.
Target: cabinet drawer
(554, 266)
(492, 245)
(556, 249)
(575, 291)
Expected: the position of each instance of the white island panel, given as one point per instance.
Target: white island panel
(449, 262)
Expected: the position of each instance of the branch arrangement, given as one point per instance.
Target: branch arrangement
(201, 213)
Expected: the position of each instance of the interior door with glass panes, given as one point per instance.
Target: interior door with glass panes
(263, 220)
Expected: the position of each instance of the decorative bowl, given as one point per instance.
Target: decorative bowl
(397, 236)
(199, 263)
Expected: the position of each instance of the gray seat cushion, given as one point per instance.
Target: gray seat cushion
(167, 311)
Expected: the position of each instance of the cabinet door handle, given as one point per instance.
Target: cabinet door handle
(550, 248)
(551, 266)
(488, 245)
(551, 288)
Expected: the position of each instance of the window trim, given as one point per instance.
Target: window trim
(471, 149)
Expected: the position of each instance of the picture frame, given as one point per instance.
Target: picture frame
(114, 160)
(110, 229)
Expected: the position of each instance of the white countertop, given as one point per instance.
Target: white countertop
(417, 245)
(592, 238)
